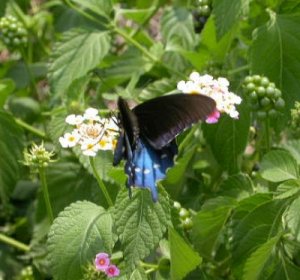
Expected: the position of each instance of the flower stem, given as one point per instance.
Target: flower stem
(15, 243)
(149, 265)
(100, 182)
(30, 128)
(46, 193)
(239, 69)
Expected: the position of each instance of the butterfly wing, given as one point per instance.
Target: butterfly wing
(161, 119)
(149, 165)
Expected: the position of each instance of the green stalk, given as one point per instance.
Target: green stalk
(14, 243)
(46, 193)
(239, 69)
(100, 182)
(267, 134)
(30, 128)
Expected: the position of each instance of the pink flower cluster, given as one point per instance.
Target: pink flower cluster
(102, 263)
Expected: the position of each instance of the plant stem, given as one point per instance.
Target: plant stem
(267, 134)
(100, 182)
(129, 39)
(149, 265)
(30, 128)
(17, 244)
(46, 193)
(239, 69)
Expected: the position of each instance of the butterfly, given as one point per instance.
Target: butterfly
(148, 131)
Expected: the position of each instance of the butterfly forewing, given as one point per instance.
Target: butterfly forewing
(161, 119)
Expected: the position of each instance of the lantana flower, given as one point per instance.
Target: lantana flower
(102, 263)
(217, 89)
(92, 133)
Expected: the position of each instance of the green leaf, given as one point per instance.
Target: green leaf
(137, 15)
(6, 88)
(293, 146)
(209, 223)
(258, 259)
(176, 175)
(287, 189)
(228, 13)
(262, 222)
(138, 274)
(238, 186)
(140, 223)
(277, 166)
(11, 147)
(100, 7)
(67, 183)
(79, 52)
(292, 218)
(177, 25)
(275, 53)
(183, 258)
(81, 231)
(228, 139)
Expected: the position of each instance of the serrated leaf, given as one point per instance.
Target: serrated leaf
(140, 223)
(292, 218)
(78, 52)
(228, 13)
(209, 223)
(183, 258)
(287, 189)
(137, 15)
(258, 259)
(100, 7)
(277, 166)
(11, 147)
(255, 228)
(228, 139)
(274, 53)
(81, 231)
(138, 274)
(177, 25)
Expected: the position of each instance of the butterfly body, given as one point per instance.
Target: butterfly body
(148, 131)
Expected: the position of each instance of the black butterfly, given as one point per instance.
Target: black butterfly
(148, 131)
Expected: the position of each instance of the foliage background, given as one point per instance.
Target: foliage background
(238, 181)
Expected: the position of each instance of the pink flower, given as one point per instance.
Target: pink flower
(213, 117)
(112, 271)
(102, 261)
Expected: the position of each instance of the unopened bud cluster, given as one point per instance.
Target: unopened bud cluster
(201, 13)
(184, 216)
(12, 32)
(26, 274)
(265, 99)
(37, 157)
(295, 118)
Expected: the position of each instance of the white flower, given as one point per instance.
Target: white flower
(92, 133)
(74, 119)
(89, 148)
(217, 89)
(69, 139)
(107, 143)
(91, 114)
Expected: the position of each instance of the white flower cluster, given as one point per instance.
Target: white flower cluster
(217, 89)
(92, 132)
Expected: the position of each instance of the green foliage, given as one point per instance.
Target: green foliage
(227, 209)
(140, 230)
(183, 258)
(79, 232)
